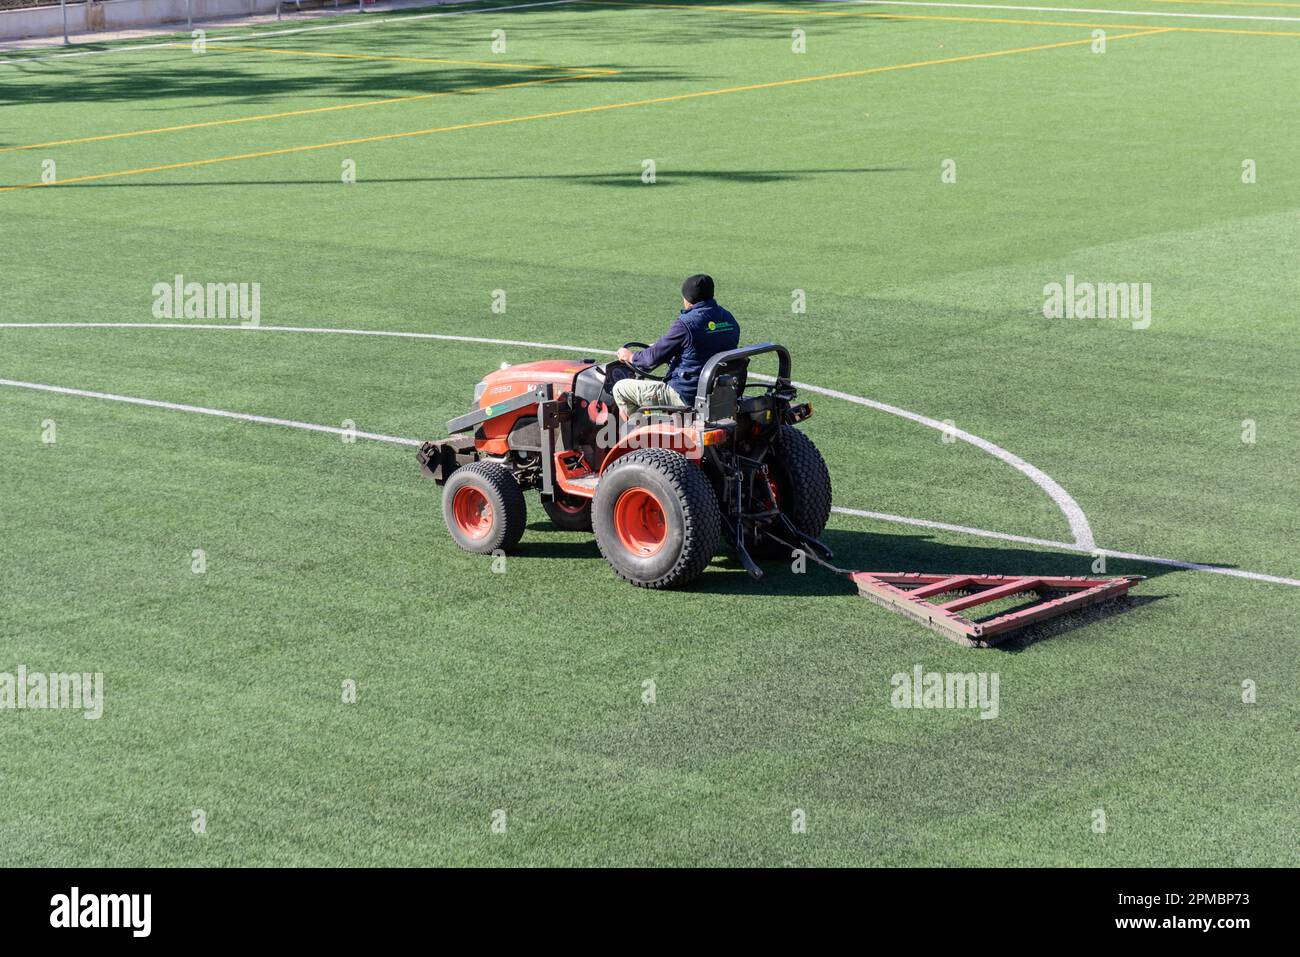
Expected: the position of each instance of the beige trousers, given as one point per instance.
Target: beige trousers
(633, 394)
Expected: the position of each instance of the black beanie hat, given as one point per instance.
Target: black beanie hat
(697, 288)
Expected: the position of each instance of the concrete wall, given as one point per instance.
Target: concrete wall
(124, 14)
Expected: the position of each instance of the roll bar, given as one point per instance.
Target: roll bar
(710, 370)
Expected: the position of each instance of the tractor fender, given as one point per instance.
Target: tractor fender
(657, 435)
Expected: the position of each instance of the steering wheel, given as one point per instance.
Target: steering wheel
(634, 370)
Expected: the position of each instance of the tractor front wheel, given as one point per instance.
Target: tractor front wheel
(484, 508)
(656, 519)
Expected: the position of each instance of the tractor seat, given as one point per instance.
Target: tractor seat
(723, 399)
(737, 369)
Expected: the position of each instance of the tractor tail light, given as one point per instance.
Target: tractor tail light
(713, 437)
(798, 413)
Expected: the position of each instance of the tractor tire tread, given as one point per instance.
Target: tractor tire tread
(510, 500)
(808, 473)
(703, 523)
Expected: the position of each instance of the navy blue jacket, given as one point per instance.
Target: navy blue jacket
(696, 335)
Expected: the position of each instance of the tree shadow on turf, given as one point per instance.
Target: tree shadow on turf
(613, 23)
(252, 78)
(621, 178)
(152, 86)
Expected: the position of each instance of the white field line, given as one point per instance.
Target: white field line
(1068, 546)
(379, 437)
(322, 330)
(1109, 13)
(878, 516)
(204, 410)
(351, 24)
(1071, 509)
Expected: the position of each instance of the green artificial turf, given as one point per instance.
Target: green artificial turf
(523, 691)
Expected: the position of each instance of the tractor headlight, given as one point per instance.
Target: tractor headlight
(479, 390)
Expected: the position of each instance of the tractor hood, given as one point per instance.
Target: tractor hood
(513, 380)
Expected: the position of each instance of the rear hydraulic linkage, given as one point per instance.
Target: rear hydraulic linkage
(761, 522)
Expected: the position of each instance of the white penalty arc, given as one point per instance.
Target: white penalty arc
(1073, 512)
(1070, 546)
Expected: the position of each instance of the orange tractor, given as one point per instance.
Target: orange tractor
(663, 491)
(660, 492)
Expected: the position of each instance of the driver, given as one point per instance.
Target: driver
(701, 330)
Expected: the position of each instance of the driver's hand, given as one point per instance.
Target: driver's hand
(625, 355)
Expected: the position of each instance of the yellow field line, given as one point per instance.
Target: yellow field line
(481, 124)
(941, 17)
(314, 109)
(396, 59)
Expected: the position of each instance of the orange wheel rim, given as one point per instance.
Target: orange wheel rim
(472, 512)
(571, 505)
(640, 523)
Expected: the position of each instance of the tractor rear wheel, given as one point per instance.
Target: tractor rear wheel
(484, 508)
(801, 485)
(656, 518)
(569, 512)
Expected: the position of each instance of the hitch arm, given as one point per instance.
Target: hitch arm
(806, 542)
(738, 532)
